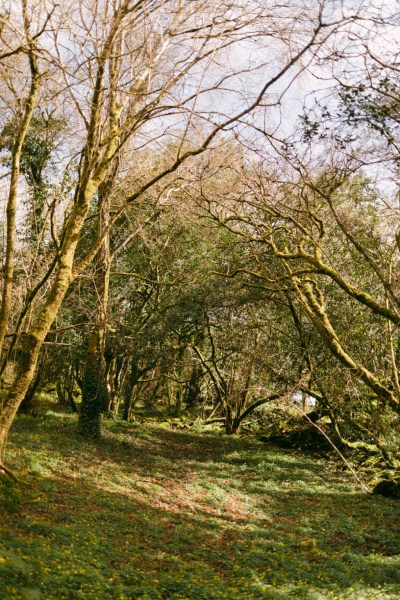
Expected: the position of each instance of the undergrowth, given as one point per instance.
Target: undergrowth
(153, 513)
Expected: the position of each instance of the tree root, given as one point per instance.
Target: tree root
(12, 476)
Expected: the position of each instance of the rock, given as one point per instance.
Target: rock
(389, 488)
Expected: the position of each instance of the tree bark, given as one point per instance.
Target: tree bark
(94, 392)
(31, 341)
(27, 405)
(11, 211)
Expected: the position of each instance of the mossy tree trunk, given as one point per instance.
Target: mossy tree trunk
(11, 207)
(232, 422)
(94, 168)
(94, 389)
(193, 390)
(27, 406)
(31, 341)
(92, 392)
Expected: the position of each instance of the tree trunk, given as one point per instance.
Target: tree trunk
(27, 407)
(177, 410)
(25, 370)
(11, 210)
(193, 390)
(32, 341)
(65, 389)
(94, 392)
(130, 389)
(232, 422)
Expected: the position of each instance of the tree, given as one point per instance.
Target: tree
(129, 72)
(317, 239)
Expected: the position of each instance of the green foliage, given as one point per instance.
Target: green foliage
(39, 145)
(37, 161)
(377, 107)
(153, 513)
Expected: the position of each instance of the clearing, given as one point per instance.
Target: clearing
(152, 512)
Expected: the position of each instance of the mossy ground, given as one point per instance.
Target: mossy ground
(152, 513)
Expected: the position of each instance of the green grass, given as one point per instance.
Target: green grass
(153, 513)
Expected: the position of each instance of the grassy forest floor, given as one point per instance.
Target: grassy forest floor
(152, 512)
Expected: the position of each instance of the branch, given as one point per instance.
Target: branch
(326, 436)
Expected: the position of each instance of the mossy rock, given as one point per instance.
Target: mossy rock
(390, 488)
(296, 433)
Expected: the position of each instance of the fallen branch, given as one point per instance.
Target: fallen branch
(326, 436)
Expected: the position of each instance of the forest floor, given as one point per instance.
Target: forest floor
(152, 512)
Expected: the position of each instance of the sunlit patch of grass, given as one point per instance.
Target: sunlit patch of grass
(152, 513)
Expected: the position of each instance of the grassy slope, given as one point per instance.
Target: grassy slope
(154, 513)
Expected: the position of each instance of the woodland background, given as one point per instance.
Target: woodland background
(200, 236)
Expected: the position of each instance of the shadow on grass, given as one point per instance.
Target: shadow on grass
(152, 513)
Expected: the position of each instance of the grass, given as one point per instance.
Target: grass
(152, 513)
